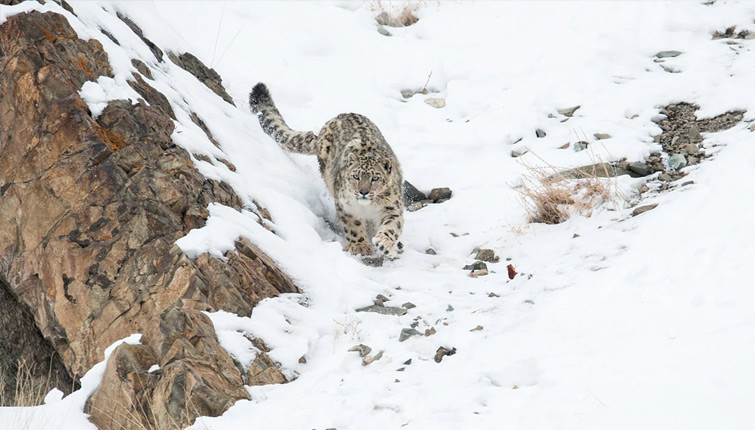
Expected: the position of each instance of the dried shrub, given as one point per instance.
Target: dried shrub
(396, 13)
(549, 197)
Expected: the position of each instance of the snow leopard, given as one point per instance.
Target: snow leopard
(359, 168)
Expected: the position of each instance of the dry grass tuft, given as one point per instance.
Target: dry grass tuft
(28, 390)
(549, 197)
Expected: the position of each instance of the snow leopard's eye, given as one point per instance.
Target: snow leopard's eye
(356, 177)
(375, 178)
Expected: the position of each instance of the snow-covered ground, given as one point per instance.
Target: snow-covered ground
(638, 322)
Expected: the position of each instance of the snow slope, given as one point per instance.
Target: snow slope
(639, 322)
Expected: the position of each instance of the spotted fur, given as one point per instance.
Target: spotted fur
(359, 168)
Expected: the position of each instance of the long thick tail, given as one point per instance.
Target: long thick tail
(302, 142)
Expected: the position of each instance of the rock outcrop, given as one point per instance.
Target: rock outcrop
(90, 211)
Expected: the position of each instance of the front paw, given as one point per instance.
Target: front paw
(358, 248)
(385, 245)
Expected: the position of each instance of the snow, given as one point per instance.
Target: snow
(639, 322)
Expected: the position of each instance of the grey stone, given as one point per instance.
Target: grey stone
(380, 299)
(677, 161)
(430, 251)
(569, 111)
(369, 359)
(450, 308)
(487, 255)
(665, 177)
(436, 102)
(640, 168)
(642, 209)
(408, 305)
(383, 31)
(383, 310)
(668, 54)
(406, 333)
(376, 261)
(580, 146)
(430, 331)
(477, 265)
(539, 133)
(602, 136)
(412, 194)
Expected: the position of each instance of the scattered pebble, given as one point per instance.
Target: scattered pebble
(406, 333)
(383, 310)
(478, 273)
(511, 271)
(477, 265)
(436, 102)
(367, 359)
(493, 295)
(539, 133)
(518, 152)
(602, 136)
(642, 209)
(677, 161)
(439, 194)
(569, 111)
(430, 251)
(380, 299)
(430, 331)
(407, 362)
(487, 255)
(442, 352)
(450, 308)
(408, 305)
(639, 168)
(362, 349)
(580, 146)
(478, 328)
(668, 54)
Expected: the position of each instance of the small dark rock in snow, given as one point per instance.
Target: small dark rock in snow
(383, 310)
(407, 362)
(477, 265)
(442, 352)
(450, 308)
(643, 209)
(412, 194)
(368, 359)
(406, 333)
(430, 331)
(380, 299)
(668, 54)
(439, 193)
(688, 183)
(478, 328)
(539, 133)
(487, 255)
(430, 251)
(408, 305)
(602, 136)
(580, 146)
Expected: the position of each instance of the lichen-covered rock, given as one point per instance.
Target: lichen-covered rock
(206, 75)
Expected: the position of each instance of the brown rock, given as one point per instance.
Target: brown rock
(206, 75)
(90, 214)
(264, 371)
(122, 401)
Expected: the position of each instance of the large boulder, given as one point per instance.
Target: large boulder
(91, 210)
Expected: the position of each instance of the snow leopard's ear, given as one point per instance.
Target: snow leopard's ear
(387, 166)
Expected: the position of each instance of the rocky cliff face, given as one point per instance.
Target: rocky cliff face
(90, 213)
